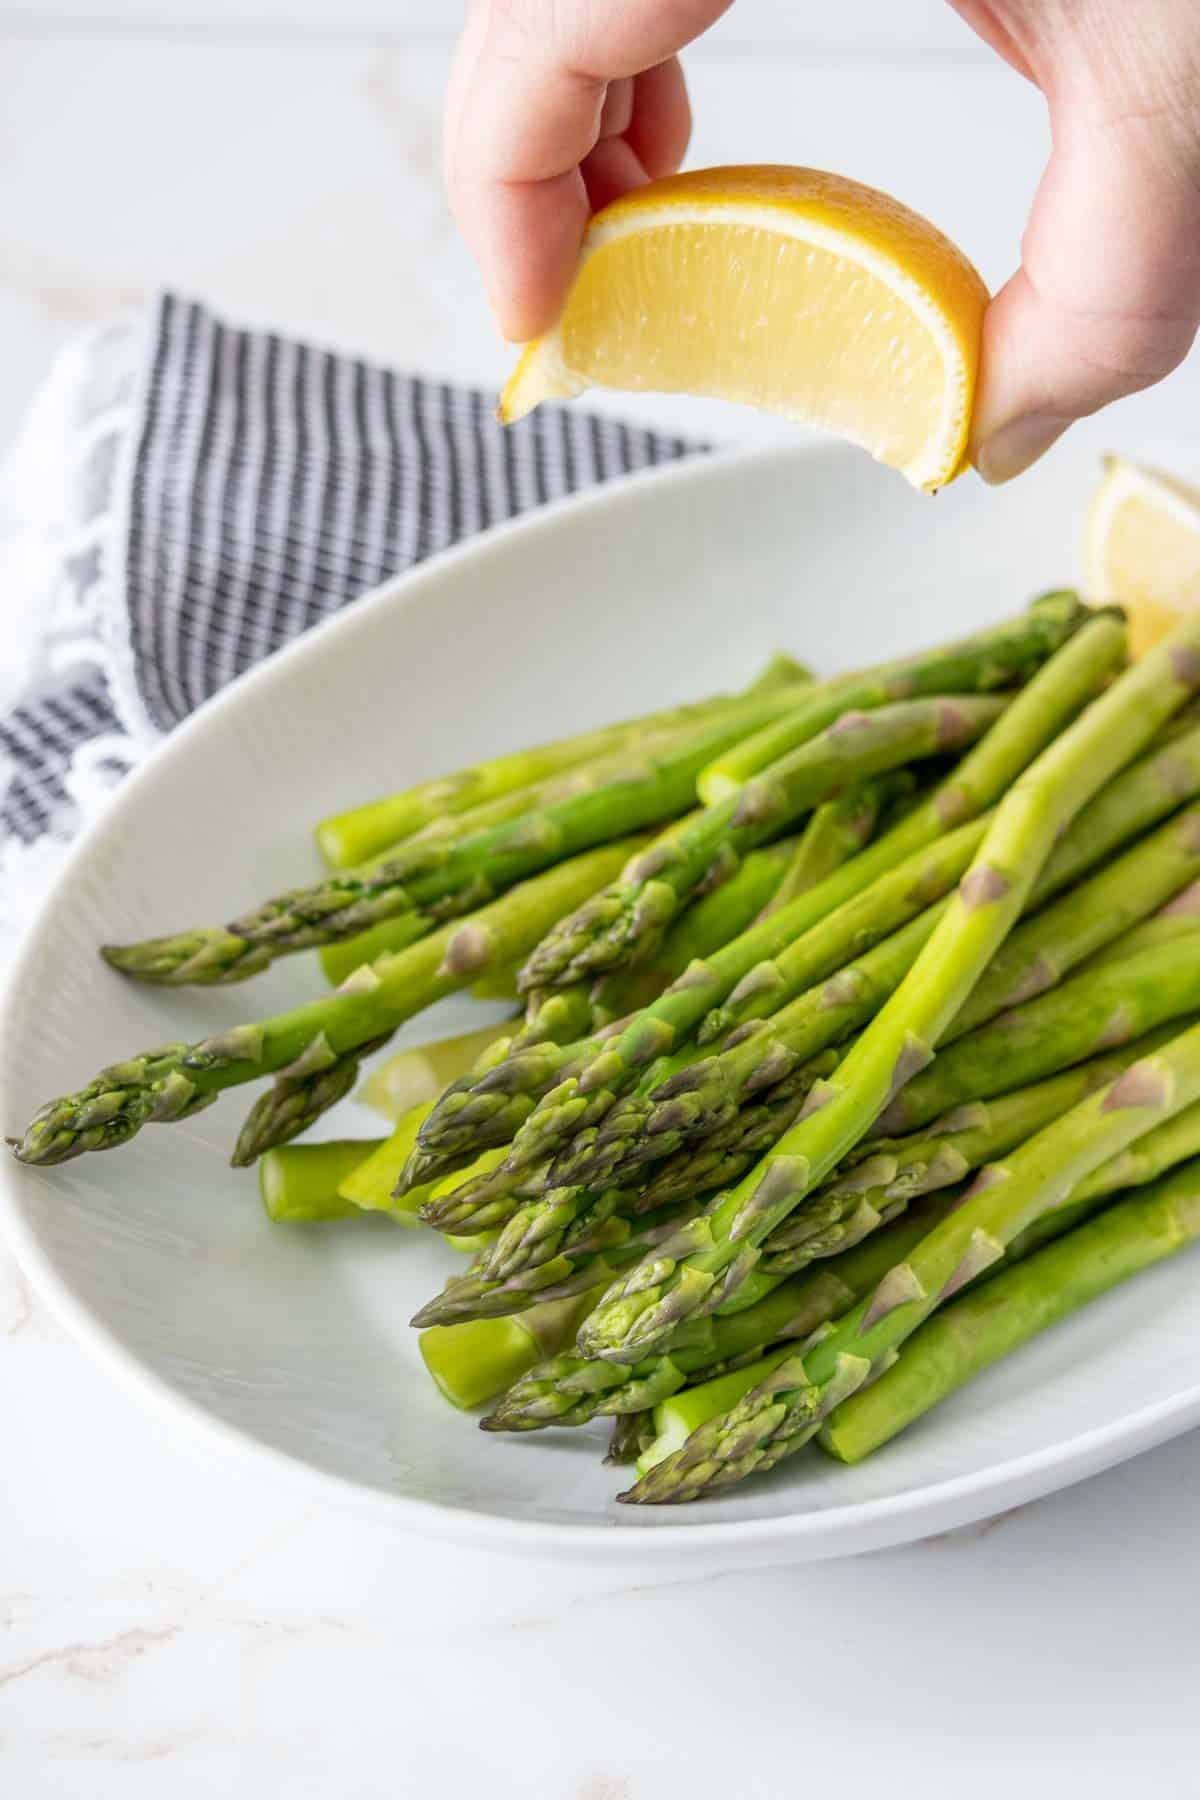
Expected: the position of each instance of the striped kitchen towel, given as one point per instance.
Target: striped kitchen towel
(188, 496)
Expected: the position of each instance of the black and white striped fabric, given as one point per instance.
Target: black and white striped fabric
(255, 485)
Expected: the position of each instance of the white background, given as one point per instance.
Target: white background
(171, 1630)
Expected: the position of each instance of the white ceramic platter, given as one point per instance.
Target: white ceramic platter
(291, 1345)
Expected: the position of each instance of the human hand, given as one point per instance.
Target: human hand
(555, 108)
(558, 106)
(1107, 298)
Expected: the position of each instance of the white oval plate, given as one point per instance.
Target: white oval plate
(292, 1344)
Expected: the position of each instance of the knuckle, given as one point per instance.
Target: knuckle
(1135, 350)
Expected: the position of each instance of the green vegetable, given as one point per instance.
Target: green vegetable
(565, 1390)
(176, 1081)
(710, 922)
(413, 1077)
(626, 924)
(472, 1363)
(1003, 656)
(351, 838)
(648, 1303)
(789, 1405)
(836, 832)
(299, 1183)
(439, 877)
(1013, 1306)
(576, 1083)
(1097, 1008)
(589, 1254)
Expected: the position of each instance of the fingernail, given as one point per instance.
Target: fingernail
(1015, 446)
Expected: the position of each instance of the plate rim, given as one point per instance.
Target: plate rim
(832, 1531)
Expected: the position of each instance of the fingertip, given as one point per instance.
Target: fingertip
(1012, 423)
(1105, 303)
(661, 126)
(1015, 447)
(527, 238)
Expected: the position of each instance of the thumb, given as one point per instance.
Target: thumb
(1107, 298)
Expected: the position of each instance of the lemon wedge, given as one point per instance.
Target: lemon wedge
(1142, 548)
(788, 289)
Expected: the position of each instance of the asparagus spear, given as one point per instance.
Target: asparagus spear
(1139, 797)
(474, 1113)
(626, 924)
(1086, 919)
(350, 838)
(909, 889)
(1013, 1306)
(563, 1390)
(339, 959)
(566, 1390)
(893, 900)
(215, 956)
(922, 1188)
(1053, 697)
(708, 1164)
(299, 1184)
(437, 877)
(893, 1175)
(654, 1122)
(902, 1038)
(650, 1124)
(1163, 929)
(472, 1363)
(632, 1434)
(780, 670)
(318, 1078)
(593, 1255)
(788, 1407)
(342, 957)
(1097, 1009)
(531, 1230)
(335, 1180)
(836, 832)
(887, 1173)
(177, 1080)
(414, 1077)
(1000, 657)
(1176, 1141)
(644, 1127)
(705, 1096)
(566, 1220)
(298, 1097)
(722, 1157)
(491, 1111)
(370, 1187)
(709, 922)
(1178, 919)
(501, 984)
(242, 959)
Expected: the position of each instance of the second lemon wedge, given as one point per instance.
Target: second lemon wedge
(789, 289)
(1143, 548)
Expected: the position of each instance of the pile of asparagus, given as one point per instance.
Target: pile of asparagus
(860, 1041)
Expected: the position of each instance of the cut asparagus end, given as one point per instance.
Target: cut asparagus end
(299, 1182)
(371, 1186)
(473, 1362)
(413, 1077)
(677, 1417)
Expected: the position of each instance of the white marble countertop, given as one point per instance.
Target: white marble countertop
(171, 1629)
